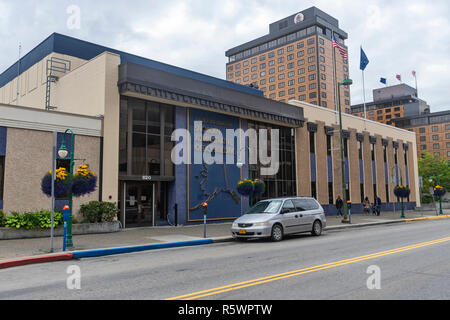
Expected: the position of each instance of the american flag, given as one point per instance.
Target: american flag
(341, 50)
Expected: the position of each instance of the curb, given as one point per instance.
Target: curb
(35, 260)
(428, 218)
(120, 250)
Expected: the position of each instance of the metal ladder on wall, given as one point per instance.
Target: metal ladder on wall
(54, 65)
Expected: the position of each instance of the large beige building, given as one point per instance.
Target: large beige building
(124, 109)
(295, 61)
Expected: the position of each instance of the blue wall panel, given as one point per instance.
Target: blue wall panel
(2, 141)
(218, 179)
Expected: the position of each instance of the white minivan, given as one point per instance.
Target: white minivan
(275, 218)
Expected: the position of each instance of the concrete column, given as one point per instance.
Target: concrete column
(379, 164)
(321, 163)
(391, 164)
(303, 161)
(355, 194)
(412, 176)
(367, 162)
(337, 165)
(401, 162)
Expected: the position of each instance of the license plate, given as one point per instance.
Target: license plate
(242, 231)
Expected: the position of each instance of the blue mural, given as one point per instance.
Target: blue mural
(214, 183)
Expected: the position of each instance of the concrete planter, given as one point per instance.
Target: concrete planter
(77, 229)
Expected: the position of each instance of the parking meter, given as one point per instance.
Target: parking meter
(349, 209)
(205, 212)
(66, 216)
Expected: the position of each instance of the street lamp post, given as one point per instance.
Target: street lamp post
(63, 153)
(440, 198)
(393, 182)
(346, 82)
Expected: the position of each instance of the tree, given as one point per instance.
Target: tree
(430, 166)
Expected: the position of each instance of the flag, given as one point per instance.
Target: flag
(414, 74)
(364, 61)
(399, 77)
(341, 50)
(383, 80)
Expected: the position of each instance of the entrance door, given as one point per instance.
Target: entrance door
(143, 204)
(138, 204)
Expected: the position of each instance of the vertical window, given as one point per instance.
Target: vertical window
(313, 190)
(360, 150)
(345, 148)
(330, 193)
(328, 145)
(312, 146)
(2, 175)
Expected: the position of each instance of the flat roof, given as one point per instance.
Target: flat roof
(312, 16)
(63, 44)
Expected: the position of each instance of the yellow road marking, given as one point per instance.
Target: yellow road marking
(249, 283)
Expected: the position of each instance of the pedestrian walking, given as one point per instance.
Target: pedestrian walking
(366, 205)
(378, 205)
(339, 205)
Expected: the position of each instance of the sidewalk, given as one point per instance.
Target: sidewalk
(15, 249)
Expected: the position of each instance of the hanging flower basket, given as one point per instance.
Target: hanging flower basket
(245, 187)
(63, 183)
(259, 187)
(84, 181)
(402, 191)
(439, 191)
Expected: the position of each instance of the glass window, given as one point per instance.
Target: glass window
(312, 145)
(266, 207)
(288, 206)
(2, 175)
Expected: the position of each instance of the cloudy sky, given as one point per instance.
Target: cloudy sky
(398, 36)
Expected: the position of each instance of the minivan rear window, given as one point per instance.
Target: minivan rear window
(305, 204)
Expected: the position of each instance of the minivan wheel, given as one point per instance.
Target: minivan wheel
(317, 228)
(277, 233)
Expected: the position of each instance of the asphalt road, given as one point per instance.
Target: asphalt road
(401, 261)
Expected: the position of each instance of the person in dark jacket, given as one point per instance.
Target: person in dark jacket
(339, 205)
(378, 206)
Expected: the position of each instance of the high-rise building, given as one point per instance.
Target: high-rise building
(432, 132)
(391, 103)
(296, 60)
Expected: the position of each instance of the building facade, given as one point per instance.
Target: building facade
(391, 103)
(377, 157)
(432, 131)
(152, 113)
(26, 140)
(295, 61)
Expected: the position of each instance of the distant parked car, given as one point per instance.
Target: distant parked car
(275, 218)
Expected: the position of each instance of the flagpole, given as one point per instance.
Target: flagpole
(366, 61)
(364, 99)
(334, 80)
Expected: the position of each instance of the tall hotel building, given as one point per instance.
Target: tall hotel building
(295, 61)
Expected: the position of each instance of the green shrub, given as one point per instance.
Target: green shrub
(2, 218)
(33, 220)
(96, 211)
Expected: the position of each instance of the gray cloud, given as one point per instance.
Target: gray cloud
(397, 36)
